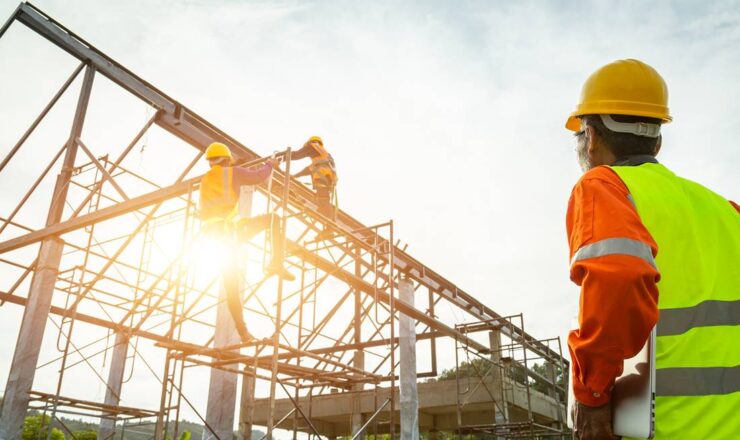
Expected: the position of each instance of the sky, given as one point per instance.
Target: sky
(445, 116)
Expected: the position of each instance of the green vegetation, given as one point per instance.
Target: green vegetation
(480, 367)
(86, 435)
(37, 427)
(542, 387)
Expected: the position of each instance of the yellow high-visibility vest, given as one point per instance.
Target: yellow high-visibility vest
(698, 343)
(217, 196)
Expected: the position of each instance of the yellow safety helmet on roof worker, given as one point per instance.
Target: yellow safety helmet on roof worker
(216, 150)
(316, 138)
(624, 87)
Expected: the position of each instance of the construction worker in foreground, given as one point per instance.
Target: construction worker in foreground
(647, 247)
(323, 177)
(219, 189)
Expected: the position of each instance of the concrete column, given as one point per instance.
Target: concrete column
(494, 341)
(407, 345)
(222, 384)
(359, 356)
(115, 381)
(246, 404)
(357, 420)
(552, 391)
(246, 412)
(23, 366)
(550, 369)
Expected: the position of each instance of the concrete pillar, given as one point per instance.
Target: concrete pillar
(246, 404)
(357, 420)
(358, 360)
(550, 370)
(552, 390)
(246, 411)
(494, 341)
(222, 384)
(115, 381)
(23, 366)
(407, 347)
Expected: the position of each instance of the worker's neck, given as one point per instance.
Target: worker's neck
(601, 156)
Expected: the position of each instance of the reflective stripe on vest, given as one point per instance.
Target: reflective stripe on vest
(697, 349)
(611, 246)
(708, 313)
(697, 381)
(217, 196)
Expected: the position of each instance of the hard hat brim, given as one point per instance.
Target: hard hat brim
(573, 122)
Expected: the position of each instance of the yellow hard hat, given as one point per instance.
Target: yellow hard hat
(316, 138)
(216, 150)
(624, 87)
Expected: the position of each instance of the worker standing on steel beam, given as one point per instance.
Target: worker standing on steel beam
(323, 174)
(631, 222)
(219, 189)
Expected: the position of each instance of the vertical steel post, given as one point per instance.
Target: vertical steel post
(279, 303)
(23, 366)
(530, 417)
(115, 380)
(392, 307)
(246, 412)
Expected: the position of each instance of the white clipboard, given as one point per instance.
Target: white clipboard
(633, 397)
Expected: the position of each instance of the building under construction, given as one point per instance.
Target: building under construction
(351, 348)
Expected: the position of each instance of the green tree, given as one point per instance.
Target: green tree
(36, 427)
(476, 367)
(543, 387)
(87, 434)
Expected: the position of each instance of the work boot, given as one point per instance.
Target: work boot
(275, 268)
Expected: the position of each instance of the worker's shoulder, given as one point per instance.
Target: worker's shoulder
(599, 176)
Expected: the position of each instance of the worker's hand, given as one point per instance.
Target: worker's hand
(592, 423)
(273, 162)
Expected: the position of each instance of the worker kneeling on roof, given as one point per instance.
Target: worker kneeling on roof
(632, 222)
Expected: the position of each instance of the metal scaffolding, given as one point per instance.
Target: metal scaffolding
(117, 253)
(504, 373)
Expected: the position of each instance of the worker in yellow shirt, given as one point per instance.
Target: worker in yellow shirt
(219, 189)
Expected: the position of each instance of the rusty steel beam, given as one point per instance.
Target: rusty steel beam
(100, 215)
(365, 287)
(198, 132)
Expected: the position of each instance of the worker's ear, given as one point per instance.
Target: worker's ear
(591, 141)
(658, 145)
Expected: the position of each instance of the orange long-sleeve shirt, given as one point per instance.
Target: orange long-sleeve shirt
(619, 293)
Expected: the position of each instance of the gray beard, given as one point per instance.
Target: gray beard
(583, 160)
